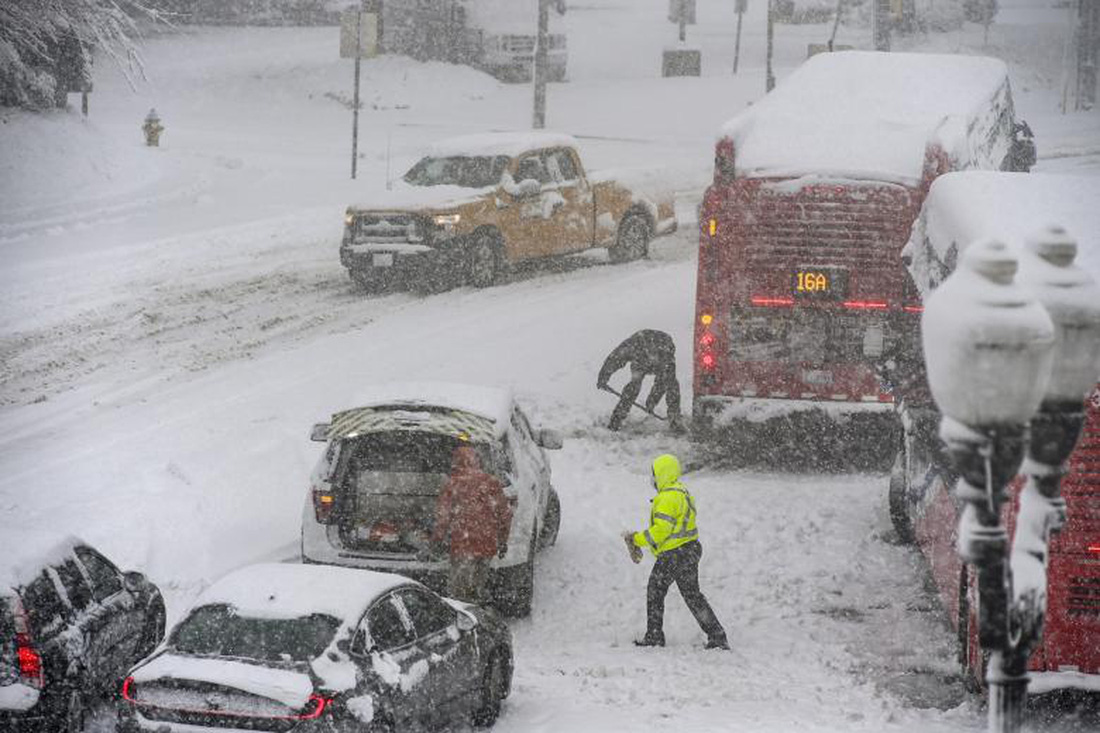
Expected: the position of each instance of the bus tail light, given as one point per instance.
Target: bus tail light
(771, 302)
(878, 305)
(707, 340)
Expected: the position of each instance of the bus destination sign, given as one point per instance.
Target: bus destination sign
(827, 283)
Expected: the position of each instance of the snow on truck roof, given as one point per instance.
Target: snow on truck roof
(862, 114)
(500, 143)
(25, 552)
(285, 590)
(965, 206)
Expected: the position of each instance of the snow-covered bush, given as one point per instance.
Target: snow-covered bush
(46, 46)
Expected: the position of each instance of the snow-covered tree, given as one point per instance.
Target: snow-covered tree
(46, 46)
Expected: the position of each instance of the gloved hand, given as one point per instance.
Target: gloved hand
(633, 549)
(502, 550)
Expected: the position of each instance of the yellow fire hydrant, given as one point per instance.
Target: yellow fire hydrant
(152, 129)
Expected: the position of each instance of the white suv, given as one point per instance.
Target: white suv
(372, 496)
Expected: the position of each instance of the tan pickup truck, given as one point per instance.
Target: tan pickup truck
(477, 204)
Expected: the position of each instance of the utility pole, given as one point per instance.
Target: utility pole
(540, 65)
(742, 6)
(769, 75)
(683, 20)
(355, 96)
(1088, 52)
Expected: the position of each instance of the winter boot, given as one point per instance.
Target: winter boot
(717, 643)
(649, 640)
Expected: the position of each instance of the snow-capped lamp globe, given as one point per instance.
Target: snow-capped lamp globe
(1072, 298)
(987, 341)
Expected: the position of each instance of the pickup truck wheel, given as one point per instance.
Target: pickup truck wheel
(483, 261)
(633, 239)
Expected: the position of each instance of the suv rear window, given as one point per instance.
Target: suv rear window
(405, 452)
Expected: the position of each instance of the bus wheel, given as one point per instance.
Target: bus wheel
(896, 498)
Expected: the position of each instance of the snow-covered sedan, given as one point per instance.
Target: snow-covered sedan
(297, 648)
(373, 493)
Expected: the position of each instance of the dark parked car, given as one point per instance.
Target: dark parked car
(284, 647)
(71, 624)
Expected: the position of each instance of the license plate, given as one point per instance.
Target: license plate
(827, 283)
(382, 259)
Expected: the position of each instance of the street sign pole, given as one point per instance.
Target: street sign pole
(741, 7)
(539, 121)
(355, 95)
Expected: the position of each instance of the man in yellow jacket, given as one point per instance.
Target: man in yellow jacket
(674, 539)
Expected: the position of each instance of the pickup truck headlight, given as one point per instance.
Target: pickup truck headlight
(447, 222)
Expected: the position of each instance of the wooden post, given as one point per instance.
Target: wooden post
(769, 76)
(741, 7)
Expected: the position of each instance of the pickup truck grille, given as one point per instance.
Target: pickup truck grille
(386, 228)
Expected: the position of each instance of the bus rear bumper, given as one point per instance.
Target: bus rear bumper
(1050, 681)
(800, 433)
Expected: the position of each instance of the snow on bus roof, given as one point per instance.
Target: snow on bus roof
(966, 206)
(287, 590)
(493, 403)
(501, 143)
(863, 114)
(26, 552)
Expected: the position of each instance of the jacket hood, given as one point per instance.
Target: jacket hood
(465, 459)
(666, 472)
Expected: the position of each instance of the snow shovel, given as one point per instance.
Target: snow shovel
(639, 405)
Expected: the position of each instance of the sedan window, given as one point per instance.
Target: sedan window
(387, 627)
(218, 630)
(429, 614)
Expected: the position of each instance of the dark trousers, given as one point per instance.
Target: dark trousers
(663, 386)
(680, 566)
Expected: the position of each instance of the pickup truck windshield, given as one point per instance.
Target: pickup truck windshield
(465, 171)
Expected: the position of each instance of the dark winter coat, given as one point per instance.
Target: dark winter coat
(472, 512)
(647, 352)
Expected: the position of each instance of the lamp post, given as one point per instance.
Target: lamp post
(1010, 359)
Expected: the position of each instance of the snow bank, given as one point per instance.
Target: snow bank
(25, 552)
(970, 205)
(868, 115)
(494, 403)
(501, 143)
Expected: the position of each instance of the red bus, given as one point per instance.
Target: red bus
(802, 296)
(960, 208)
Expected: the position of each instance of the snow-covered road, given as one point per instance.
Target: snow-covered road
(172, 322)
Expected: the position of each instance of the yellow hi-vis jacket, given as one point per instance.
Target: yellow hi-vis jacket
(672, 516)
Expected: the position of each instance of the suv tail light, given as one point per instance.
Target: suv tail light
(324, 502)
(28, 658)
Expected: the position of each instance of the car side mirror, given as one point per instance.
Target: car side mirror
(319, 432)
(134, 582)
(465, 622)
(549, 439)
